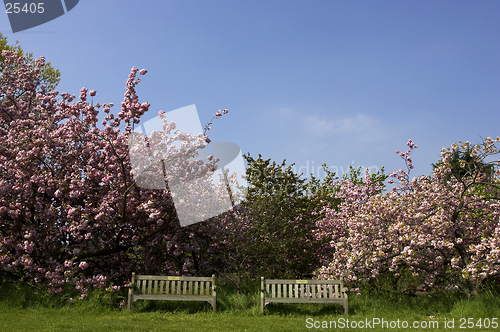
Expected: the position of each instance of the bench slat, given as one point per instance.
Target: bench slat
(303, 300)
(148, 277)
(173, 297)
(310, 282)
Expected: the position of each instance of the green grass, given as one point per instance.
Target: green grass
(24, 309)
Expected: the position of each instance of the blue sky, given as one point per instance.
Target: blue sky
(335, 82)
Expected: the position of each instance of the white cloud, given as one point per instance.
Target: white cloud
(360, 125)
(286, 112)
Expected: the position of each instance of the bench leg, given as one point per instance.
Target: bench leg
(262, 296)
(131, 291)
(129, 304)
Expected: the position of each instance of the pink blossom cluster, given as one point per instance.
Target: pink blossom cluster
(207, 126)
(402, 176)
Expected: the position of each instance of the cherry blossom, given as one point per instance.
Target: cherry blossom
(444, 231)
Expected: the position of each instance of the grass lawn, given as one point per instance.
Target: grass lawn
(23, 311)
(68, 319)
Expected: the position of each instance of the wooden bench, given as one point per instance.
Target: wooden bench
(303, 291)
(148, 287)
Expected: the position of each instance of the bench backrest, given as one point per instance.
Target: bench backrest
(168, 285)
(325, 289)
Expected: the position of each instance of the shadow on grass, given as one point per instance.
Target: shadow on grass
(187, 307)
(304, 309)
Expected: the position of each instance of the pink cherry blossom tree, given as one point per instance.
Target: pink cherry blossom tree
(70, 211)
(444, 232)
